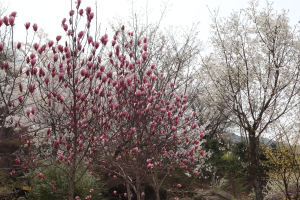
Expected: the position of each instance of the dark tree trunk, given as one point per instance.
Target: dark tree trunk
(254, 165)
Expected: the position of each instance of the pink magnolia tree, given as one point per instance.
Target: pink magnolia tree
(154, 129)
(85, 111)
(14, 84)
(69, 100)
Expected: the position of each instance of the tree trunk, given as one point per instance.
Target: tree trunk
(138, 188)
(72, 181)
(157, 193)
(156, 189)
(128, 189)
(257, 183)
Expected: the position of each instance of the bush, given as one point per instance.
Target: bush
(43, 189)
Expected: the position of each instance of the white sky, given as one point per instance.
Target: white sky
(49, 14)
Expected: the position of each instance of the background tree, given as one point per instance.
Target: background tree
(254, 72)
(285, 162)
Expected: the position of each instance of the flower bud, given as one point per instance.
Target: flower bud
(19, 45)
(35, 27)
(27, 25)
(13, 14)
(88, 10)
(81, 12)
(5, 20)
(11, 21)
(50, 43)
(58, 38)
(71, 13)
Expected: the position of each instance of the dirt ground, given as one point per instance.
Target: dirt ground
(200, 186)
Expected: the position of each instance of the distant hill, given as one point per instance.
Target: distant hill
(237, 138)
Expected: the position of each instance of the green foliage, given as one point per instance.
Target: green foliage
(235, 174)
(42, 189)
(179, 176)
(215, 160)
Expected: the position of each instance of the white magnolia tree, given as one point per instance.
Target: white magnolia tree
(254, 72)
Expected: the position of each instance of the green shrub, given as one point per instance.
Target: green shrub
(42, 189)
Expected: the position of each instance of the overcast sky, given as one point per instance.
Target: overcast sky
(49, 13)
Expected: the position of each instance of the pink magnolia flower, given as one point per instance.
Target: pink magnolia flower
(35, 27)
(12, 173)
(178, 186)
(27, 25)
(1, 46)
(13, 14)
(109, 74)
(81, 12)
(11, 21)
(5, 20)
(47, 81)
(71, 13)
(125, 194)
(55, 57)
(145, 47)
(41, 176)
(202, 152)
(102, 67)
(28, 112)
(91, 190)
(104, 39)
(58, 38)
(50, 43)
(88, 197)
(143, 194)
(115, 192)
(19, 45)
(17, 161)
(33, 62)
(135, 149)
(80, 34)
(201, 134)
(88, 10)
(90, 39)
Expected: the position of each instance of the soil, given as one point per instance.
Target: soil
(201, 186)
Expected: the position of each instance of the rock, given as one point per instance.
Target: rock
(186, 198)
(213, 195)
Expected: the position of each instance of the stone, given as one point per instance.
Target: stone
(213, 195)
